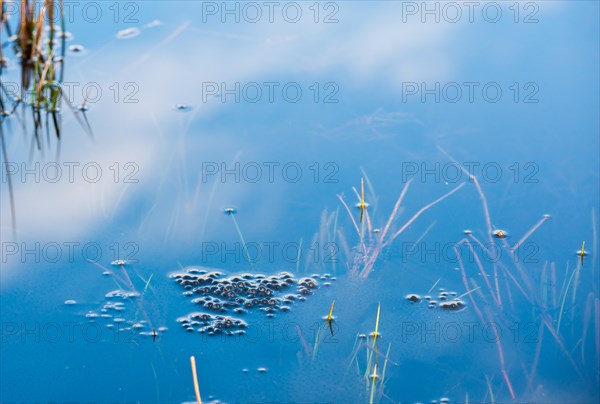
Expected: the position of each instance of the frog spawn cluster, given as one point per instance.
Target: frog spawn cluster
(212, 324)
(240, 294)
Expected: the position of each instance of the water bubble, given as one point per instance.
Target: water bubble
(452, 305)
(183, 107)
(123, 294)
(128, 33)
(231, 211)
(70, 302)
(79, 49)
(154, 23)
(261, 370)
(413, 298)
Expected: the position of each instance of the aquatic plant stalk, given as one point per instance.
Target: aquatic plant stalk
(587, 319)
(371, 189)
(553, 283)
(316, 343)
(597, 331)
(374, 380)
(239, 232)
(375, 334)
(355, 349)
(594, 250)
(427, 230)
(299, 256)
(421, 211)
(395, 210)
(544, 284)
(469, 292)
(341, 198)
(335, 222)
(486, 212)
(536, 358)
(302, 340)
(490, 392)
(480, 267)
(387, 355)
(195, 377)
(530, 232)
(533, 298)
(434, 285)
(362, 205)
(575, 286)
(368, 267)
(562, 304)
(481, 317)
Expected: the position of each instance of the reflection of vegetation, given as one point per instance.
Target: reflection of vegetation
(509, 286)
(543, 301)
(38, 43)
(371, 375)
(372, 240)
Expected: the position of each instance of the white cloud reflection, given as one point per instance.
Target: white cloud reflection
(363, 46)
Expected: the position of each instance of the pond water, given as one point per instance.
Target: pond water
(212, 208)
